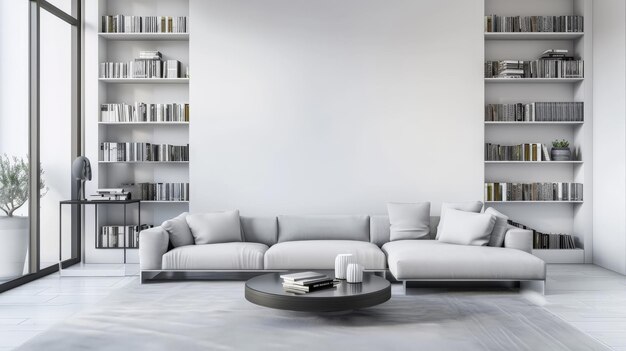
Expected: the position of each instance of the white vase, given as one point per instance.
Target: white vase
(341, 264)
(13, 248)
(354, 273)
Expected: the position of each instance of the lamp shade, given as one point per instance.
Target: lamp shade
(81, 168)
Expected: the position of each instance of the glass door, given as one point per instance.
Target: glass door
(40, 135)
(14, 139)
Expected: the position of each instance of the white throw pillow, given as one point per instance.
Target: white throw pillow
(215, 227)
(408, 220)
(467, 228)
(499, 229)
(468, 206)
(178, 230)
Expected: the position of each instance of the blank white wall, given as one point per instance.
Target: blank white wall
(609, 134)
(335, 106)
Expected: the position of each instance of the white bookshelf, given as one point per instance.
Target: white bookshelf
(145, 80)
(144, 36)
(533, 36)
(542, 123)
(534, 162)
(568, 217)
(123, 47)
(534, 80)
(163, 124)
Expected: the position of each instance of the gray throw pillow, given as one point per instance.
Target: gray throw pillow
(408, 220)
(499, 229)
(467, 228)
(178, 230)
(468, 206)
(215, 227)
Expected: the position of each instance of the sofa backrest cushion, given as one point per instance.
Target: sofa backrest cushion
(380, 233)
(337, 227)
(262, 230)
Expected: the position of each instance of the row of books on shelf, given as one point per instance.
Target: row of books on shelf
(535, 112)
(112, 236)
(110, 194)
(559, 191)
(548, 241)
(521, 152)
(541, 68)
(144, 24)
(150, 64)
(159, 191)
(143, 152)
(142, 112)
(305, 282)
(496, 23)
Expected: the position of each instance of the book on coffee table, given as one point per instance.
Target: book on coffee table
(303, 276)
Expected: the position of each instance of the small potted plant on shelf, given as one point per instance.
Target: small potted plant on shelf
(14, 234)
(560, 150)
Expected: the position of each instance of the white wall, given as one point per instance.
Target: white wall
(335, 106)
(609, 134)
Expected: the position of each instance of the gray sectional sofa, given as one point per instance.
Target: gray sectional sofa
(311, 242)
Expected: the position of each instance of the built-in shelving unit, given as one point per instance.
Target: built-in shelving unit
(533, 80)
(533, 36)
(145, 80)
(145, 36)
(125, 47)
(567, 217)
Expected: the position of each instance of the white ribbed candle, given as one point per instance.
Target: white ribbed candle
(354, 273)
(341, 264)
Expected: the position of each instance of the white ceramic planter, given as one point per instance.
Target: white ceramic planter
(13, 246)
(341, 264)
(354, 273)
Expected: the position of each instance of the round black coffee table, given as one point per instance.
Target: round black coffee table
(267, 290)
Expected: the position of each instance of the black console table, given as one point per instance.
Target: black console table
(97, 203)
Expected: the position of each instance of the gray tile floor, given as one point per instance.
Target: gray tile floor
(588, 297)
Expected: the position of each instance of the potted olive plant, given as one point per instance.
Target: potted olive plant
(560, 150)
(14, 234)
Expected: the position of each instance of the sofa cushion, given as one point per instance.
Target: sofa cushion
(467, 206)
(409, 220)
(349, 227)
(178, 230)
(433, 259)
(380, 232)
(320, 254)
(499, 229)
(262, 230)
(215, 227)
(216, 256)
(467, 228)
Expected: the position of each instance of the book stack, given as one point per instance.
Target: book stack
(143, 152)
(160, 191)
(522, 152)
(554, 63)
(306, 282)
(150, 64)
(110, 194)
(549, 241)
(112, 236)
(495, 23)
(141, 112)
(533, 191)
(144, 24)
(535, 112)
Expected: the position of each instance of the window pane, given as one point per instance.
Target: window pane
(14, 116)
(64, 5)
(55, 134)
